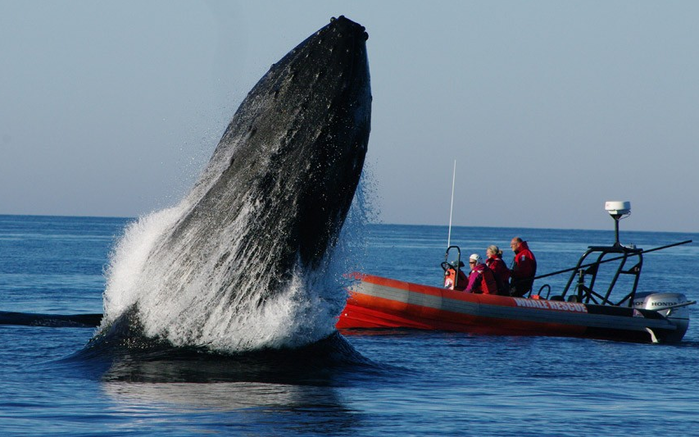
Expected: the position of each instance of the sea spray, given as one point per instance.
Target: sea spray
(128, 258)
(302, 313)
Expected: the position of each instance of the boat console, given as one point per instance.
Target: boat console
(628, 261)
(593, 284)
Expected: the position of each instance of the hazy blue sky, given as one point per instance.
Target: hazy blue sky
(549, 107)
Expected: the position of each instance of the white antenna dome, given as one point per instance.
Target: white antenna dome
(618, 208)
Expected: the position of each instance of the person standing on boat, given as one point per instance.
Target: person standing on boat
(497, 265)
(523, 268)
(481, 279)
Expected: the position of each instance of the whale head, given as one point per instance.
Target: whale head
(296, 147)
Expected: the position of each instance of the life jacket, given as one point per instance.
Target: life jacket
(488, 284)
(483, 280)
(450, 279)
(523, 271)
(501, 273)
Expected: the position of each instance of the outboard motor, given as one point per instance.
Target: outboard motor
(673, 306)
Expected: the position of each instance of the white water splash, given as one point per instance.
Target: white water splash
(186, 301)
(128, 260)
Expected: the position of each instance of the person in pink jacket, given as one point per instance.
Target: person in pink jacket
(481, 278)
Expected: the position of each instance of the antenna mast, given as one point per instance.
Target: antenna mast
(451, 208)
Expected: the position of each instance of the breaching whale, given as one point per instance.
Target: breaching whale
(262, 220)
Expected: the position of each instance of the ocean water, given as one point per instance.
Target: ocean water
(407, 383)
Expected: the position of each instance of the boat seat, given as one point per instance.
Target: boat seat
(556, 298)
(573, 298)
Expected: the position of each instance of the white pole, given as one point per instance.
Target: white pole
(451, 208)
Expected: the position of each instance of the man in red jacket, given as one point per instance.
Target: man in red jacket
(523, 268)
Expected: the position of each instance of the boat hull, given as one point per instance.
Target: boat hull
(377, 302)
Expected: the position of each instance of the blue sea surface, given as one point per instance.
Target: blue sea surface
(420, 383)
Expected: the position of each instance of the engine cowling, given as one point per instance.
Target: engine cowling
(673, 306)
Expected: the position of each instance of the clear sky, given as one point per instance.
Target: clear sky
(549, 107)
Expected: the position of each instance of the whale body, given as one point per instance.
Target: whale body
(245, 246)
